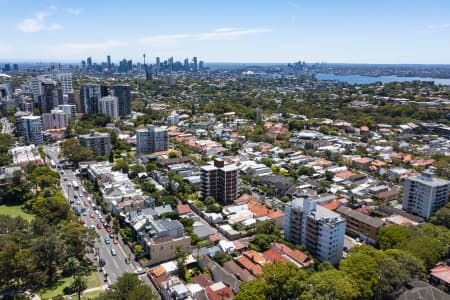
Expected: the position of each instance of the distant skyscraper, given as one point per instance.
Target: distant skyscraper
(7, 68)
(108, 61)
(89, 62)
(186, 64)
(51, 95)
(108, 105)
(194, 61)
(89, 96)
(152, 139)
(15, 67)
(201, 65)
(83, 64)
(170, 63)
(31, 129)
(123, 94)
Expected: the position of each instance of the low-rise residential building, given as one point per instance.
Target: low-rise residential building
(98, 142)
(161, 249)
(360, 225)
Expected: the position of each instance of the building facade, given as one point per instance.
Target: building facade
(51, 95)
(360, 225)
(123, 94)
(65, 79)
(424, 194)
(98, 142)
(70, 109)
(56, 119)
(220, 181)
(152, 139)
(109, 106)
(90, 95)
(31, 129)
(321, 230)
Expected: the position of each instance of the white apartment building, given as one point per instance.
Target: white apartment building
(424, 194)
(56, 119)
(152, 139)
(109, 106)
(321, 230)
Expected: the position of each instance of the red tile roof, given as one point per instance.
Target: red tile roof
(183, 209)
(274, 256)
(442, 272)
(246, 263)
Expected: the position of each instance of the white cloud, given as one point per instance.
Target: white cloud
(293, 4)
(229, 33)
(217, 34)
(78, 49)
(438, 26)
(37, 23)
(74, 11)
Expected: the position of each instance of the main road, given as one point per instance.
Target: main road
(78, 197)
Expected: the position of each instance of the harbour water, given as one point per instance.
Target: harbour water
(360, 79)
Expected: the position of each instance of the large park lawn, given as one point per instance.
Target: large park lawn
(92, 282)
(15, 211)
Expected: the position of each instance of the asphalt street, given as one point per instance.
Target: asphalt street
(115, 265)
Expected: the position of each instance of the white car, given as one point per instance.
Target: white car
(140, 270)
(113, 252)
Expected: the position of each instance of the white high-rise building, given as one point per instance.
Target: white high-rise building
(152, 139)
(56, 119)
(70, 109)
(31, 129)
(66, 81)
(321, 230)
(109, 106)
(424, 194)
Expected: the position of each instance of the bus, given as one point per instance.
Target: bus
(75, 185)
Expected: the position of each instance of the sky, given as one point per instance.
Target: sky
(334, 31)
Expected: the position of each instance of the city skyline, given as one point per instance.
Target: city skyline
(255, 32)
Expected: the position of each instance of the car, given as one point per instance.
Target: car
(102, 262)
(75, 196)
(140, 270)
(84, 213)
(92, 227)
(65, 179)
(92, 215)
(108, 228)
(127, 260)
(99, 226)
(82, 221)
(113, 252)
(107, 240)
(111, 235)
(116, 241)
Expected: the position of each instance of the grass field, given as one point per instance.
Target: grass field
(15, 211)
(92, 282)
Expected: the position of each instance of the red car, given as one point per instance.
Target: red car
(116, 240)
(99, 226)
(92, 215)
(108, 228)
(82, 221)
